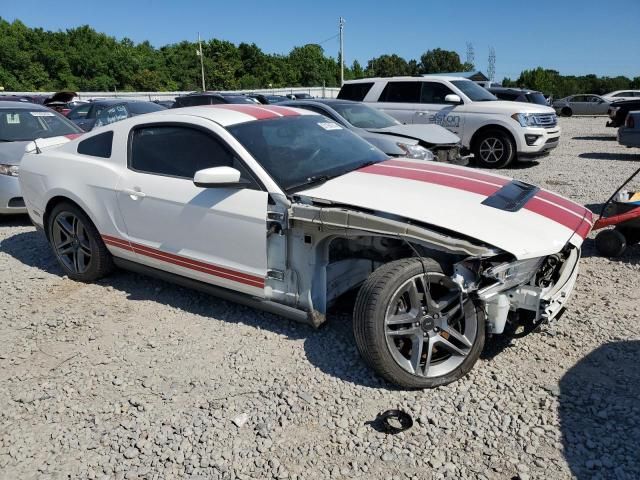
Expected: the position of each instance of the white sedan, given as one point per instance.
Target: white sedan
(285, 210)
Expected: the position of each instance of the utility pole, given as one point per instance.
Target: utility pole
(341, 24)
(491, 69)
(199, 53)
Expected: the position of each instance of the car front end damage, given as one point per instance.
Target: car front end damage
(541, 286)
(333, 249)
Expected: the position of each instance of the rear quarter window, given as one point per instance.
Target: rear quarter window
(97, 146)
(355, 91)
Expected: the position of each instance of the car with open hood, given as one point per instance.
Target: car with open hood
(426, 142)
(20, 124)
(285, 210)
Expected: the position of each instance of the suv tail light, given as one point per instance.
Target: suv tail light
(630, 122)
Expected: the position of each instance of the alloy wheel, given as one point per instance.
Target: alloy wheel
(71, 242)
(491, 150)
(425, 327)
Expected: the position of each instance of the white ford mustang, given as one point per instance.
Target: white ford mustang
(285, 210)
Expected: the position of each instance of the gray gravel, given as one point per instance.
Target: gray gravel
(136, 378)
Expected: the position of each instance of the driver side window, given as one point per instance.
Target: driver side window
(178, 151)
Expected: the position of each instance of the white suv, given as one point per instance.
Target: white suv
(496, 131)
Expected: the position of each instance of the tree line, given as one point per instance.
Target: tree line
(82, 59)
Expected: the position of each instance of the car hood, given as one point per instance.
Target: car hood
(11, 152)
(504, 107)
(433, 134)
(451, 198)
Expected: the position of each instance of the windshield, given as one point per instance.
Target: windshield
(362, 116)
(475, 92)
(299, 151)
(537, 98)
(22, 125)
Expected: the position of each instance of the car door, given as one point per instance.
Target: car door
(399, 99)
(434, 109)
(580, 105)
(598, 105)
(215, 235)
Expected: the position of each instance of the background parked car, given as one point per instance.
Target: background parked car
(298, 96)
(584, 104)
(629, 133)
(267, 99)
(165, 103)
(622, 95)
(21, 123)
(85, 116)
(519, 95)
(211, 98)
(388, 134)
(618, 111)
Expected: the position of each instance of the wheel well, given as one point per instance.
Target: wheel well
(51, 204)
(478, 134)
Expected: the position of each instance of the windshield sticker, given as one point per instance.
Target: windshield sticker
(13, 118)
(330, 126)
(42, 114)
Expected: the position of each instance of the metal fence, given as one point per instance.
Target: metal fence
(318, 92)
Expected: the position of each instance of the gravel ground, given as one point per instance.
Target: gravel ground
(136, 378)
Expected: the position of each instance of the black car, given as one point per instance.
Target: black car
(618, 111)
(519, 95)
(164, 103)
(105, 111)
(299, 96)
(211, 98)
(266, 99)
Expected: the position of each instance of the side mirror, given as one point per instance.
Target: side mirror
(453, 98)
(217, 177)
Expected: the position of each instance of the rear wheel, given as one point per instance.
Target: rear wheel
(494, 149)
(611, 243)
(566, 111)
(77, 244)
(417, 329)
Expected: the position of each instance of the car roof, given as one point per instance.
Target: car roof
(231, 114)
(408, 78)
(113, 101)
(321, 101)
(510, 89)
(23, 106)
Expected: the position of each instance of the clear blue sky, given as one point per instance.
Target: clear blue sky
(571, 36)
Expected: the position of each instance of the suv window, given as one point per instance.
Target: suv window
(97, 146)
(355, 91)
(401, 92)
(434, 92)
(178, 151)
(80, 112)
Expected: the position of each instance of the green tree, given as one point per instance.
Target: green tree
(442, 61)
(387, 66)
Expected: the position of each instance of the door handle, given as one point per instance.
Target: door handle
(421, 113)
(133, 193)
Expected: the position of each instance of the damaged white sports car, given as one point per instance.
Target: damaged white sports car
(282, 209)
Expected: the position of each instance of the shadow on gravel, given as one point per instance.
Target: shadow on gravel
(607, 138)
(521, 164)
(14, 221)
(600, 413)
(331, 348)
(625, 157)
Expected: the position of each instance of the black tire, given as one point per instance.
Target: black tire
(494, 149)
(371, 313)
(566, 111)
(611, 243)
(78, 246)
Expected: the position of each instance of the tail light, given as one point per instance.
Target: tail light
(630, 122)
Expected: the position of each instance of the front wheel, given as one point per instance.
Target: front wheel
(566, 111)
(494, 149)
(414, 326)
(611, 243)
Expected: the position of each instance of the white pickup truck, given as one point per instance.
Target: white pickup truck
(496, 131)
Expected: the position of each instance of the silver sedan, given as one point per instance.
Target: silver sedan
(582, 105)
